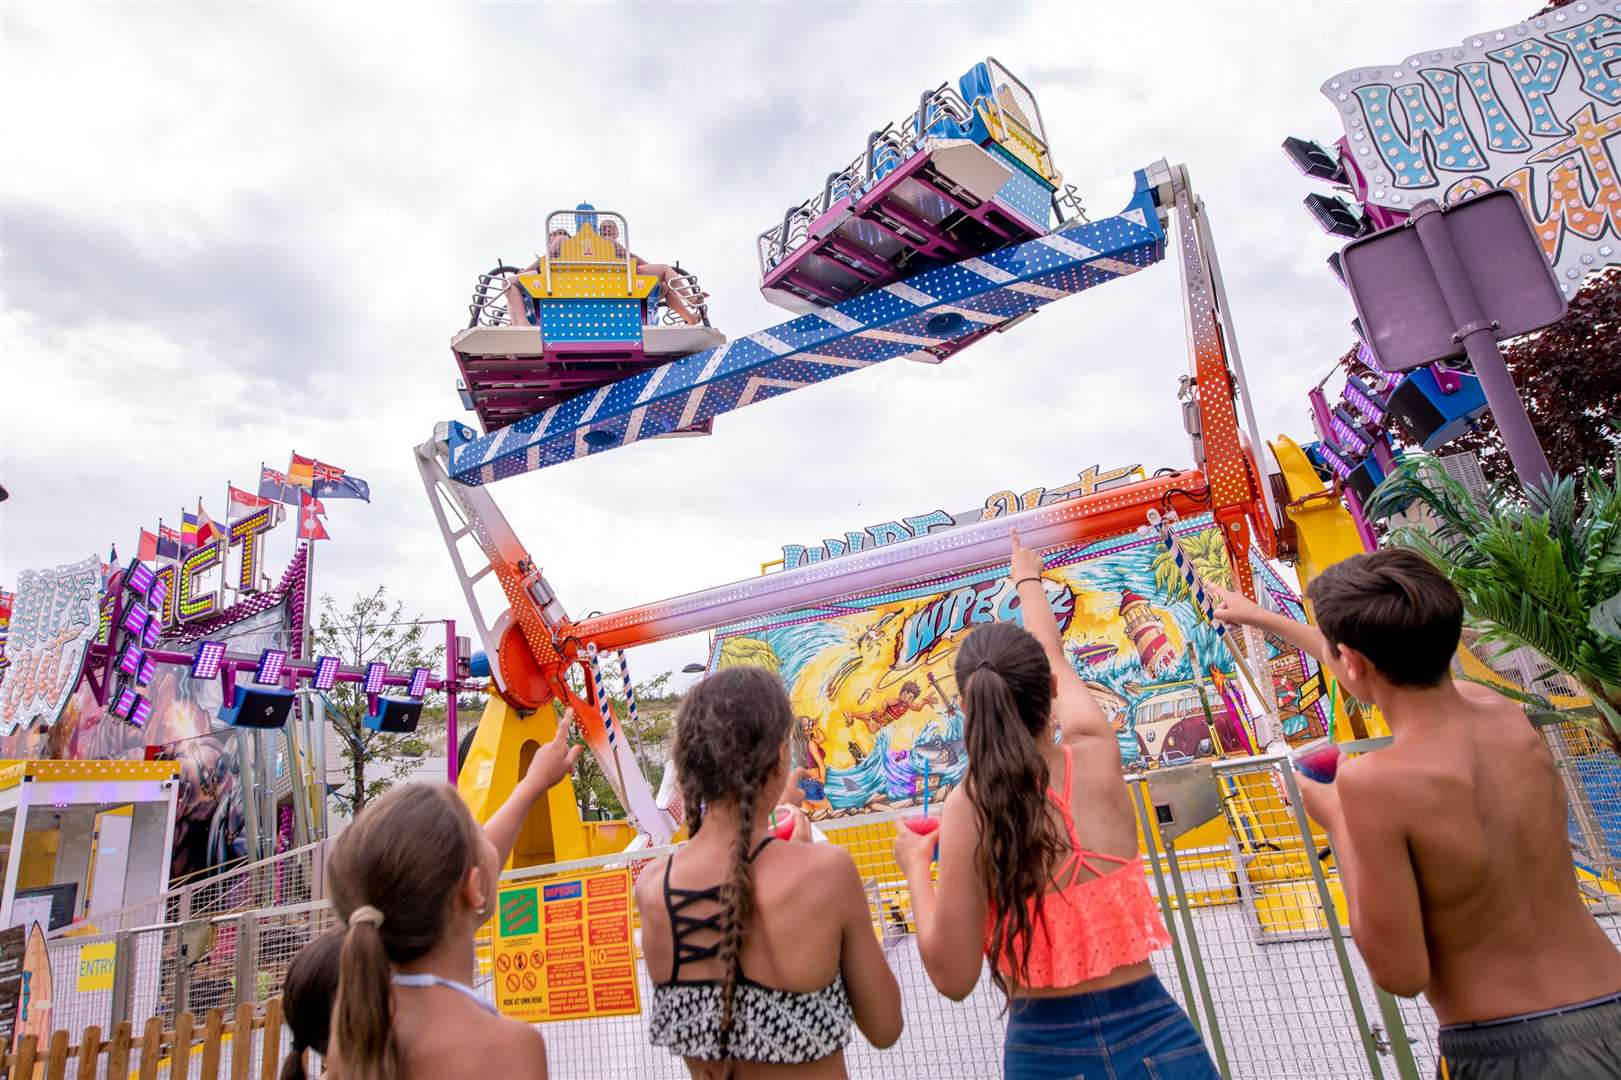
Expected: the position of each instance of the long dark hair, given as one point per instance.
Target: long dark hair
(729, 734)
(306, 999)
(1006, 685)
(405, 855)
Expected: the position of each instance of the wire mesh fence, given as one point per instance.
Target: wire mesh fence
(292, 877)
(1261, 959)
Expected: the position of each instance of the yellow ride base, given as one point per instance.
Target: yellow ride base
(505, 744)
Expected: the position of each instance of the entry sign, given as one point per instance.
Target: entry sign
(563, 949)
(96, 964)
(1398, 296)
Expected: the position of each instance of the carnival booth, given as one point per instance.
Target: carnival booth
(83, 837)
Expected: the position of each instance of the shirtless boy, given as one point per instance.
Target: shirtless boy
(1451, 841)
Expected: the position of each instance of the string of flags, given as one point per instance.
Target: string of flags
(304, 485)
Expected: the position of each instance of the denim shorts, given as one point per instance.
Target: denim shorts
(1130, 1032)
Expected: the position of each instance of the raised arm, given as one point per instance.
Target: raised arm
(551, 765)
(1235, 609)
(1079, 715)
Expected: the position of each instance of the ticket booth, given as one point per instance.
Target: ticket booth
(83, 837)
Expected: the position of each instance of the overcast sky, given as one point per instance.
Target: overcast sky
(233, 231)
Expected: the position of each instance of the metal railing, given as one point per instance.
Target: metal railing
(686, 286)
(489, 306)
(293, 877)
(892, 144)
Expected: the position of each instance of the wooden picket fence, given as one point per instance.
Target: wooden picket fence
(141, 1058)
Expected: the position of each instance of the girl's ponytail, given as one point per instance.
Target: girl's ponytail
(1006, 685)
(363, 1016)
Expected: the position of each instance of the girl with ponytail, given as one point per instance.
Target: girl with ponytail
(412, 880)
(306, 1000)
(761, 953)
(1039, 870)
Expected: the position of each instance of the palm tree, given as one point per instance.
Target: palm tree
(1541, 569)
(1208, 554)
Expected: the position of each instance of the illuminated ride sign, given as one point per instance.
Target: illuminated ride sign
(54, 620)
(1532, 107)
(996, 504)
(187, 595)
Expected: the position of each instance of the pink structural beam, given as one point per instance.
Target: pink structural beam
(1058, 525)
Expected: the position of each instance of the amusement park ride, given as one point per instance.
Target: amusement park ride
(952, 224)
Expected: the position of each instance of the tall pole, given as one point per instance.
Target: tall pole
(314, 783)
(1475, 333)
(452, 675)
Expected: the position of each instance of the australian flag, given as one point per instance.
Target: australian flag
(274, 485)
(331, 482)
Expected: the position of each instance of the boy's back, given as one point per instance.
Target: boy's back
(1484, 812)
(1451, 841)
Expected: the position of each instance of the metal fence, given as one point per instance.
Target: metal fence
(293, 877)
(1260, 958)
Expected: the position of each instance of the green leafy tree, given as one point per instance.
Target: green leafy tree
(649, 737)
(1541, 568)
(1569, 376)
(371, 630)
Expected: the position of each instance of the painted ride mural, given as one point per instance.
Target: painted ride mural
(872, 684)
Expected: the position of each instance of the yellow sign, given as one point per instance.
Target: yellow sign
(96, 964)
(563, 949)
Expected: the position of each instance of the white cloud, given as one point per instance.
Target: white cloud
(233, 231)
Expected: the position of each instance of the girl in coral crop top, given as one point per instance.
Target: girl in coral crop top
(1039, 868)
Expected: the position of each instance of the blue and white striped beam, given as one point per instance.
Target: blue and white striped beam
(906, 319)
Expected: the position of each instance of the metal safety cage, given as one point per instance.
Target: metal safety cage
(489, 304)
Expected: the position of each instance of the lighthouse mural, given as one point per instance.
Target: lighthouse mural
(1147, 632)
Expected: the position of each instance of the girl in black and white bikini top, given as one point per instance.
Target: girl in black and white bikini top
(761, 953)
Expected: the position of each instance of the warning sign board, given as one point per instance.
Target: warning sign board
(563, 949)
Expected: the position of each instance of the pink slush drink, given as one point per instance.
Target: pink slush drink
(1320, 763)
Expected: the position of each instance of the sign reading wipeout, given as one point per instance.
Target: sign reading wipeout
(1532, 107)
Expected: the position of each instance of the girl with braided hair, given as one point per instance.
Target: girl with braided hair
(761, 953)
(1039, 868)
(412, 880)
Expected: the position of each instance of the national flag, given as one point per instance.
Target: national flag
(188, 530)
(334, 483)
(274, 486)
(168, 542)
(206, 529)
(147, 549)
(240, 502)
(301, 471)
(310, 526)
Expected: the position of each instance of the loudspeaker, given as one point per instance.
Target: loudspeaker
(395, 715)
(1365, 477)
(258, 707)
(1430, 418)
